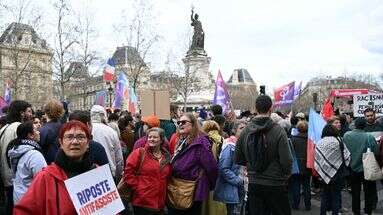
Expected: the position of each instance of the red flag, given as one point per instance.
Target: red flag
(327, 110)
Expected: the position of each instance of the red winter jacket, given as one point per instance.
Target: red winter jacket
(47, 194)
(149, 187)
(172, 143)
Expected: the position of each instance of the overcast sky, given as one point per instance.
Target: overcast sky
(277, 41)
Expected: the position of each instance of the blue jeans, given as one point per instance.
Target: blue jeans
(296, 182)
(331, 196)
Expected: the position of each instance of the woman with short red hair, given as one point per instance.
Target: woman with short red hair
(47, 193)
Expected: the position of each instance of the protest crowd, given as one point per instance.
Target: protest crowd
(203, 162)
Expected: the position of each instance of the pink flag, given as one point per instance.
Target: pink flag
(3, 103)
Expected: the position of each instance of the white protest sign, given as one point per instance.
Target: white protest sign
(94, 192)
(374, 101)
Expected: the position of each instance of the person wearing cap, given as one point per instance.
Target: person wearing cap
(300, 116)
(108, 138)
(149, 122)
(357, 141)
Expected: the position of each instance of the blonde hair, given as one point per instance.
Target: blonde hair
(210, 125)
(54, 109)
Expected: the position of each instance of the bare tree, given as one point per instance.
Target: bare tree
(183, 81)
(66, 37)
(21, 45)
(87, 55)
(140, 35)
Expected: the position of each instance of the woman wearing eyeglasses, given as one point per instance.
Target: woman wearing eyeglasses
(47, 193)
(193, 161)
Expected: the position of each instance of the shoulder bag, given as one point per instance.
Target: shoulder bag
(124, 190)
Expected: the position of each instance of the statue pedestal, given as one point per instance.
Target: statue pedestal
(198, 63)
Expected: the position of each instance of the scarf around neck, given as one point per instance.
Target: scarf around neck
(72, 167)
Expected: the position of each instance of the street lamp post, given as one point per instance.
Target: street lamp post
(315, 100)
(110, 89)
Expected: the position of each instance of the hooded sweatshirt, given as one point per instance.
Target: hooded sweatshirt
(276, 157)
(30, 162)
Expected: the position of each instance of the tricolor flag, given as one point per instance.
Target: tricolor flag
(316, 125)
(7, 93)
(285, 94)
(121, 91)
(109, 70)
(133, 101)
(100, 98)
(221, 96)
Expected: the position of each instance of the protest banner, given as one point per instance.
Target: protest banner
(155, 102)
(374, 101)
(94, 192)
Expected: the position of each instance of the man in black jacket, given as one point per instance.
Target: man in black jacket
(263, 148)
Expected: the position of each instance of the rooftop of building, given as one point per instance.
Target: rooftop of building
(127, 55)
(240, 76)
(14, 34)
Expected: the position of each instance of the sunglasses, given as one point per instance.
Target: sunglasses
(182, 122)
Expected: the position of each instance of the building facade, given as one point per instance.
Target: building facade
(82, 88)
(242, 90)
(26, 63)
(318, 89)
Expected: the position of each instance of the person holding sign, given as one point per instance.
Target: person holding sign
(47, 193)
(148, 174)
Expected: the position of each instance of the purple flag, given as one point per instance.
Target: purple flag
(7, 93)
(284, 94)
(122, 86)
(297, 90)
(221, 97)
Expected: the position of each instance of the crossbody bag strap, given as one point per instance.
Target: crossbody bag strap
(142, 156)
(341, 147)
(2, 133)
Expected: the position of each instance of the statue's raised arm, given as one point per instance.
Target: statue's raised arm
(198, 36)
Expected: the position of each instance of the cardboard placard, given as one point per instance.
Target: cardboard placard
(155, 102)
(374, 101)
(94, 192)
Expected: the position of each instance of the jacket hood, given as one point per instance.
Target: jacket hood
(260, 124)
(23, 146)
(16, 152)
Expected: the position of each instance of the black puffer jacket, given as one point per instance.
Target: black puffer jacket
(300, 147)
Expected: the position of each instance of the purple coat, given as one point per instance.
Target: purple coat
(197, 156)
